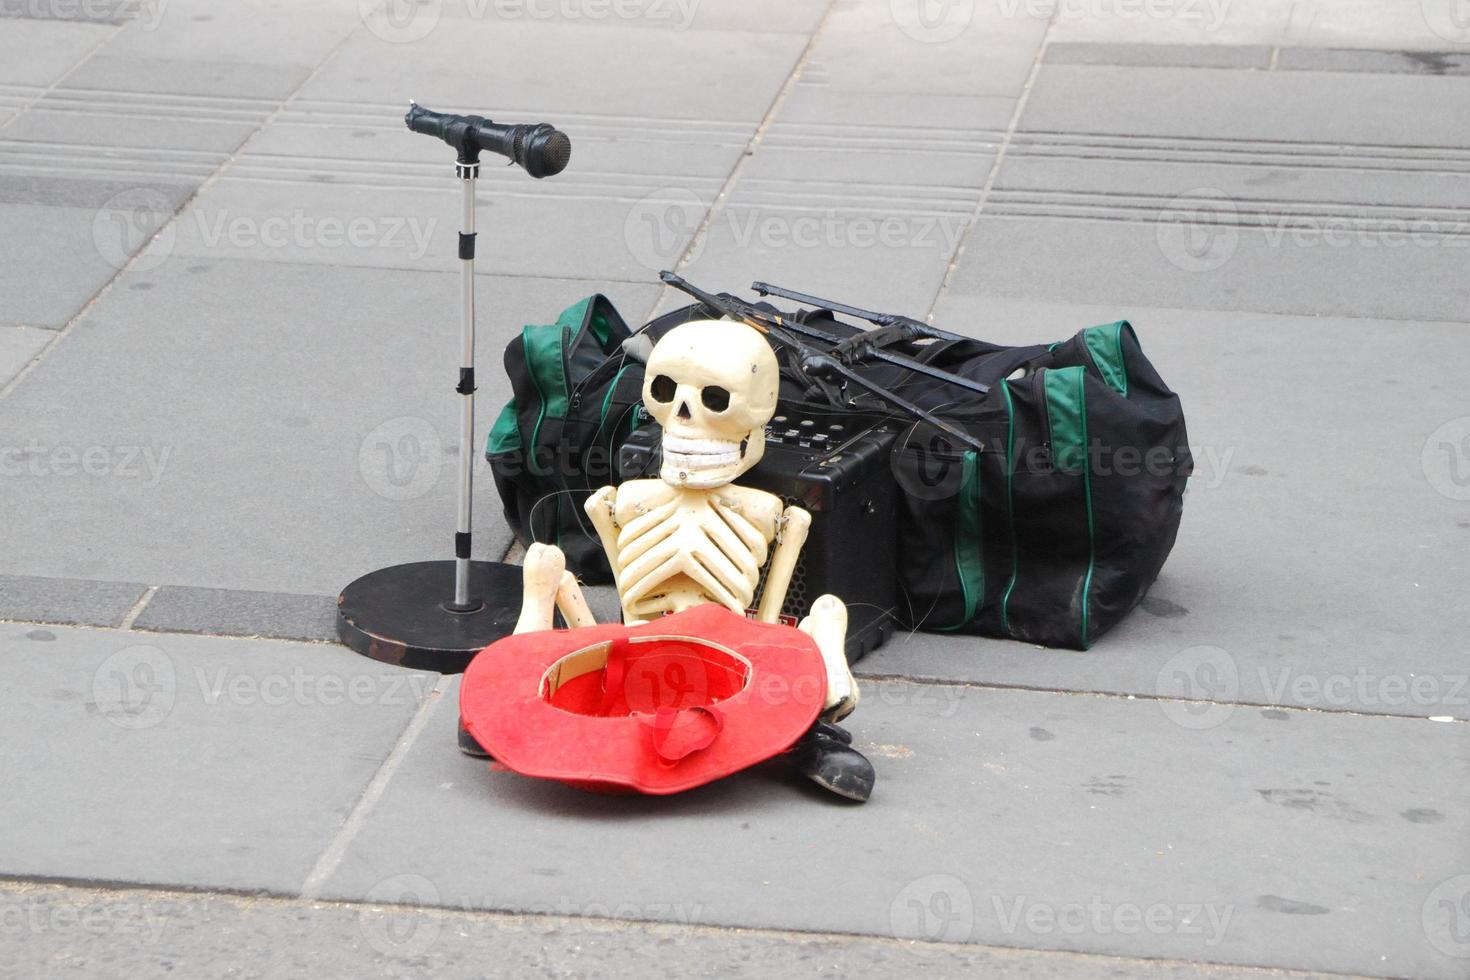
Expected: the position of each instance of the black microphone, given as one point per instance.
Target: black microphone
(540, 148)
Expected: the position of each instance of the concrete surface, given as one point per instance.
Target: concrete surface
(228, 339)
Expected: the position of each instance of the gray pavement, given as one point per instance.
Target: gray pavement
(227, 328)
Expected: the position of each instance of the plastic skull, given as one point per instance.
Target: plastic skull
(712, 385)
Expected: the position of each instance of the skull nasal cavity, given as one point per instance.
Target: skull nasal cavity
(684, 410)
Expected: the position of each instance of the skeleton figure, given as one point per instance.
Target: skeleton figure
(692, 536)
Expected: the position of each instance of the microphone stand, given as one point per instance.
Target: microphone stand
(436, 615)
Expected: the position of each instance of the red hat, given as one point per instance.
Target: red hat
(658, 708)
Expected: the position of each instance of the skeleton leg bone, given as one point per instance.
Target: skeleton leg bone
(826, 623)
(545, 566)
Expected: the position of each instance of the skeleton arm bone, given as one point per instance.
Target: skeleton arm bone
(599, 508)
(795, 523)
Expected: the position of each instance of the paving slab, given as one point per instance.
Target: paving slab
(18, 345)
(916, 48)
(1160, 55)
(259, 32)
(1192, 257)
(133, 758)
(50, 263)
(231, 612)
(55, 600)
(37, 52)
(721, 74)
(1430, 25)
(1320, 561)
(1249, 105)
(1009, 818)
(142, 932)
(298, 433)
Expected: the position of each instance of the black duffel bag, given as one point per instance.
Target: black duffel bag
(1049, 533)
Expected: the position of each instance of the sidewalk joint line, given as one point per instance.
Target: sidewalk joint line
(331, 858)
(1000, 156)
(138, 607)
(696, 241)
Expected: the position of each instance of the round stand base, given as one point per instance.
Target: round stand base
(401, 615)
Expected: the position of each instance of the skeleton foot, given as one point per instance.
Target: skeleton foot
(827, 625)
(541, 578)
(825, 756)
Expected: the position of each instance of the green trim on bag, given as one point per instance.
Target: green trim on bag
(543, 349)
(969, 559)
(1106, 344)
(1066, 408)
(505, 435)
(1005, 619)
(1066, 415)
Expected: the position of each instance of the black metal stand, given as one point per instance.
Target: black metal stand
(436, 615)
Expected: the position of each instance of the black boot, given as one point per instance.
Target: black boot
(468, 745)
(825, 756)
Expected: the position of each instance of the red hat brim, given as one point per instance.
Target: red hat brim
(657, 708)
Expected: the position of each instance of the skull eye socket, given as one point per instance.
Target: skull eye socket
(715, 398)
(663, 388)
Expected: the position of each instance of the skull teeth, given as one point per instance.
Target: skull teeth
(699, 454)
